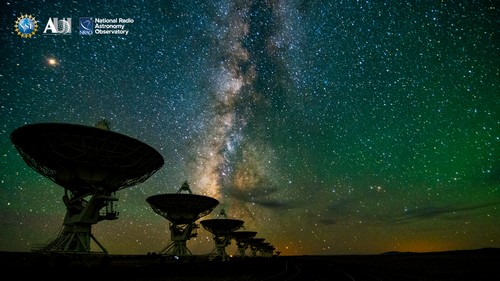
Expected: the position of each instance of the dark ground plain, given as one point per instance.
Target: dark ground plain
(475, 265)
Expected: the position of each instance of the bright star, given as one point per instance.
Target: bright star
(52, 61)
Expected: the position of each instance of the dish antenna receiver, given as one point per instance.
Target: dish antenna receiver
(255, 244)
(91, 164)
(267, 250)
(222, 228)
(182, 209)
(242, 239)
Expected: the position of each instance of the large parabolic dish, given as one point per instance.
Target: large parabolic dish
(77, 157)
(91, 164)
(255, 244)
(243, 235)
(222, 228)
(182, 209)
(242, 240)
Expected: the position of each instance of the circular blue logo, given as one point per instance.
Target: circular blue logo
(26, 26)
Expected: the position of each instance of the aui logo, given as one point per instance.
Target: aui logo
(86, 26)
(57, 26)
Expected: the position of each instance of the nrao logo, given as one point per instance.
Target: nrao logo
(86, 26)
(57, 26)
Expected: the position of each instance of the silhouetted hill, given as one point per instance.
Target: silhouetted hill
(482, 250)
(398, 253)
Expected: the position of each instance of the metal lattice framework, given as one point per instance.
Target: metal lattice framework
(242, 240)
(182, 209)
(91, 164)
(255, 245)
(222, 229)
(79, 157)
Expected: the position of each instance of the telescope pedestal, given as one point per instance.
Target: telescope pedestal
(91, 164)
(221, 242)
(76, 235)
(75, 238)
(179, 235)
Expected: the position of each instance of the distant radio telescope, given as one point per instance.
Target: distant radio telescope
(255, 245)
(91, 164)
(266, 249)
(222, 228)
(182, 209)
(242, 239)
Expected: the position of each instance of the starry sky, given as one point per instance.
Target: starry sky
(329, 127)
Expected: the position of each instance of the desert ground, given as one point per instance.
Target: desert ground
(476, 265)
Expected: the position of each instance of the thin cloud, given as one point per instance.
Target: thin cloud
(437, 212)
(261, 196)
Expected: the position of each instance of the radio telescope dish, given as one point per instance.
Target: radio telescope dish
(267, 250)
(242, 240)
(91, 164)
(222, 228)
(82, 158)
(255, 244)
(182, 210)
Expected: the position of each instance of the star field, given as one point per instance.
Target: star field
(329, 127)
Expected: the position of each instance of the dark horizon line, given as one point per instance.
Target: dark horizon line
(488, 249)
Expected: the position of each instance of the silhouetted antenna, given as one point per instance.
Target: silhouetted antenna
(185, 188)
(182, 209)
(242, 239)
(222, 228)
(103, 124)
(91, 164)
(255, 245)
(266, 249)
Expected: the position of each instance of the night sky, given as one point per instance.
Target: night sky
(329, 127)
